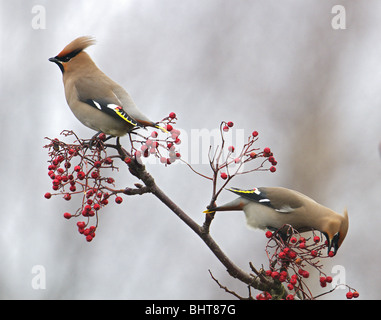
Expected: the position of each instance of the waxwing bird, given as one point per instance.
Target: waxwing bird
(272, 208)
(97, 101)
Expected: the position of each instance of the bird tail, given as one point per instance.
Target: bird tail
(160, 128)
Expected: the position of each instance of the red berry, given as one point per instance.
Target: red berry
(48, 195)
(355, 294)
(305, 274)
(224, 175)
(169, 127)
(267, 150)
(144, 147)
(267, 295)
(89, 238)
(302, 245)
(268, 234)
(175, 133)
(67, 196)
(314, 253)
(230, 124)
(275, 275)
(316, 239)
(77, 168)
(290, 297)
(272, 169)
(97, 206)
(293, 240)
(281, 255)
(81, 224)
(331, 254)
(290, 286)
(172, 115)
(81, 175)
(329, 279)
(95, 174)
(253, 154)
(67, 215)
(102, 136)
(259, 296)
(255, 133)
(118, 200)
(231, 149)
(225, 128)
(154, 134)
(349, 295)
(97, 164)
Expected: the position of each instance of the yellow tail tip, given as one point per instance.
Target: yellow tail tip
(161, 128)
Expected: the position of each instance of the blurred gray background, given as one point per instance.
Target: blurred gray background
(312, 93)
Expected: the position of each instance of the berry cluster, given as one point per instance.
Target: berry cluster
(290, 255)
(231, 163)
(76, 169)
(154, 144)
(227, 162)
(83, 169)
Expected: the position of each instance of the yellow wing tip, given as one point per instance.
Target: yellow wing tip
(209, 211)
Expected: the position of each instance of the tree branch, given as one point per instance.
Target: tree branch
(140, 172)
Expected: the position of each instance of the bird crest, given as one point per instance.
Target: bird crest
(76, 46)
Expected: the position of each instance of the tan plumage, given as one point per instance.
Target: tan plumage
(97, 101)
(274, 207)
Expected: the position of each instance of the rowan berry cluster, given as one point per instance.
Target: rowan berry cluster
(228, 161)
(290, 256)
(163, 148)
(84, 169)
(243, 156)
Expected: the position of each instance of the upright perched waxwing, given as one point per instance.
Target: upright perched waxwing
(97, 101)
(272, 208)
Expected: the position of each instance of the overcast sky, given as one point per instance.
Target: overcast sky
(281, 68)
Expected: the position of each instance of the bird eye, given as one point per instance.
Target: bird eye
(65, 59)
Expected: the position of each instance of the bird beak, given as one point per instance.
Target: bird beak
(58, 63)
(54, 59)
(334, 243)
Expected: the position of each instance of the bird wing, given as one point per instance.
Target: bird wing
(99, 96)
(285, 203)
